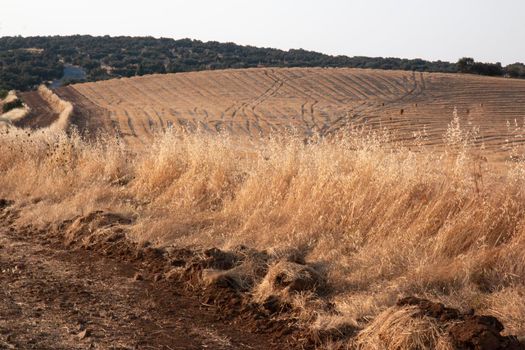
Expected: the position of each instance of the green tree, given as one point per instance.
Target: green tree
(515, 70)
(465, 64)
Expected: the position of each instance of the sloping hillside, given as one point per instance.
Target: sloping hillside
(255, 102)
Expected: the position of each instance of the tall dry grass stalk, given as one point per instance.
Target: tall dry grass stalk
(384, 221)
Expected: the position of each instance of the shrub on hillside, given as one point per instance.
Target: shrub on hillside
(12, 105)
(516, 70)
(468, 65)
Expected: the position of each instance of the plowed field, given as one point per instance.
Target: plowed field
(255, 102)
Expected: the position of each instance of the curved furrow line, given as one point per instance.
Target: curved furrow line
(373, 91)
(326, 92)
(389, 91)
(346, 87)
(351, 82)
(161, 120)
(338, 87)
(395, 87)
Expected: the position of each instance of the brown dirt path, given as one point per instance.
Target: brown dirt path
(57, 298)
(87, 116)
(41, 115)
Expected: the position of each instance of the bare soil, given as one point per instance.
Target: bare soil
(41, 115)
(55, 297)
(87, 117)
(468, 331)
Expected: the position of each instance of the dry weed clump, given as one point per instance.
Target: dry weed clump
(403, 329)
(381, 222)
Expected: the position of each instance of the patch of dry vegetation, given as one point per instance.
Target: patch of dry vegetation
(14, 114)
(379, 222)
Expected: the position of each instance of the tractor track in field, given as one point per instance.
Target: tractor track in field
(41, 113)
(256, 102)
(87, 116)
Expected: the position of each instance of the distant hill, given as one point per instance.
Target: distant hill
(28, 62)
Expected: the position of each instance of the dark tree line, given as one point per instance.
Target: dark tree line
(469, 65)
(515, 70)
(24, 69)
(27, 62)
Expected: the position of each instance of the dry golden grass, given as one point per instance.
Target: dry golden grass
(381, 220)
(400, 329)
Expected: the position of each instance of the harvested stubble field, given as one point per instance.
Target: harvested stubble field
(325, 239)
(255, 102)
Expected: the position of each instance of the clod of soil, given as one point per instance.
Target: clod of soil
(220, 260)
(482, 332)
(467, 331)
(86, 229)
(431, 309)
(274, 305)
(295, 277)
(4, 203)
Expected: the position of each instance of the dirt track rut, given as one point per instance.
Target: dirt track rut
(41, 113)
(57, 298)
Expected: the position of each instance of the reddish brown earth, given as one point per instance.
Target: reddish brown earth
(41, 113)
(55, 297)
(466, 330)
(87, 116)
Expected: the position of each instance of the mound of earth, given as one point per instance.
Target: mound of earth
(467, 330)
(224, 280)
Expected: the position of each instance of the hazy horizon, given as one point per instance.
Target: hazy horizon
(447, 31)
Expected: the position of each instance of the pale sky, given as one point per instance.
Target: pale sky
(446, 29)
